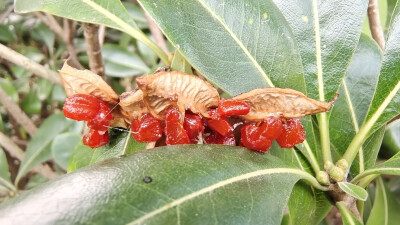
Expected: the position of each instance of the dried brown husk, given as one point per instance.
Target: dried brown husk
(132, 105)
(284, 103)
(86, 82)
(184, 91)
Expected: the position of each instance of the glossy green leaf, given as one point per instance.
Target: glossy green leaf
(386, 102)
(187, 184)
(31, 103)
(391, 166)
(107, 12)
(385, 210)
(5, 179)
(391, 140)
(347, 217)
(137, 14)
(327, 35)
(63, 146)
(119, 62)
(238, 46)
(121, 143)
(38, 149)
(356, 191)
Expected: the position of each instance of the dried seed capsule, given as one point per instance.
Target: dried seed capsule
(81, 107)
(178, 89)
(286, 103)
(132, 105)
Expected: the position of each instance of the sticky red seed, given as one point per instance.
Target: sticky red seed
(232, 107)
(81, 107)
(221, 126)
(193, 126)
(95, 138)
(272, 127)
(147, 128)
(102, 120)
(174, 131)
(215, 138)
(293, 133)
(253, 137)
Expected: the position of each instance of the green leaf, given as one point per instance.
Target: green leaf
(6, 34)
(119, 62)
(5, 179)
(385, 210)
(386, 102)
(391, 166)
(42, 34)
(347, 217)
(137, 14)
(39, 147)
(9, 89)
(121, 143)
(31, 103)
(327, 35)
(391, 140)
(44, 88)
(186, 184)
(179, 63)
(354, 190)
(237, 46)
(110, 13)
(63, 146)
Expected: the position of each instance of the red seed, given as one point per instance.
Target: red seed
(81, 107)
(221, 126)
(174, 131)
(232, 107)
(95, 138)
(146, 129)
(215, 138)
(293, 133)
(102, 119)
(254, 138)
(193, 126)
(272, 127)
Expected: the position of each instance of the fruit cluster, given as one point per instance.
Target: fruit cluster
(223, 127)
(82, 107)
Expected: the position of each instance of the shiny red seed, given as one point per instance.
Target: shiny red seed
(253, 137)
(147, 128)
(81, 107)
(102, 119)
(215, 138)
(232, 107)
(293, 133)
(272, 127)
(95, 138)
(194, 127)
(221, 126)
(174, 131)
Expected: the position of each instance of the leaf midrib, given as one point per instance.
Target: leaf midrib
(236, 39)
(220, 184)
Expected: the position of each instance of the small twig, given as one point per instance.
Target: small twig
(93, 48)
(157, 34)
(69, 30)
(375, 23)
(102, 34)
(15, 111)
(6, 14)
(19, 154)
(29, 64)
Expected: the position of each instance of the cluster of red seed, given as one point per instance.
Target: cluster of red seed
(192, 128)
(97, 114)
